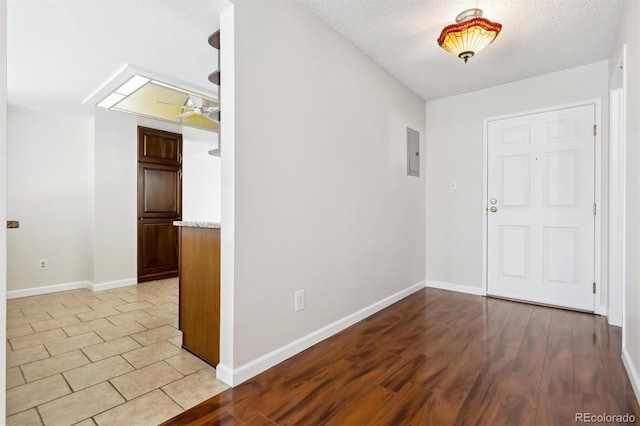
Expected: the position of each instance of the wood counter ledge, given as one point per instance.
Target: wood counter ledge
(189, 224)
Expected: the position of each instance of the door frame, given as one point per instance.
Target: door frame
(598, 307)
(617, 186)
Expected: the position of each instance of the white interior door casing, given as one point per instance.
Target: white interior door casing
(541, 237)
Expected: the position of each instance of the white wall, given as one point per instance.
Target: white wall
(629, 33)
(200, 182)
(227, 193)
(454, 152)
(116, 174)
(322, 199)
(48, 194)
(3, 203)
(73, 186)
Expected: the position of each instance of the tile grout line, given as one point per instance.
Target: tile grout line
(171, 398)
(39, 415)
(161, 298)
(104, 411)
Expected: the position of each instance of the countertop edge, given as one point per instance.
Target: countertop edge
(190, 224)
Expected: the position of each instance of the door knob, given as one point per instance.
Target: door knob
(493, 201)
(493, 209)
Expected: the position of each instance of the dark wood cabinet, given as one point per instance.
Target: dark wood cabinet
(200, 292)
(157, 249)
(158, 146)
(159, 191)
(159, 203)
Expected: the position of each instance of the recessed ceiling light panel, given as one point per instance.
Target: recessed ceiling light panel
(133, 84)
(111, 100)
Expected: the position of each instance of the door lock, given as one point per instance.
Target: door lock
(493, 201)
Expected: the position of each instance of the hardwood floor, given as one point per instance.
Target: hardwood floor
(440, 358)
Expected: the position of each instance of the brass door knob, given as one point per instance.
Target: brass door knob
(493, 209)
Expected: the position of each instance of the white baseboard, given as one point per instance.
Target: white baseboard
(113, 284)
(601, 310)
(34, 291)
(632, 372)
(456, 287)
(224, 374)
(617, 322)
(234, 377)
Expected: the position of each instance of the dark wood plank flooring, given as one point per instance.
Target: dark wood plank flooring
(440, 358)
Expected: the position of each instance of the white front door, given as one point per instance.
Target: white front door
(540, 223)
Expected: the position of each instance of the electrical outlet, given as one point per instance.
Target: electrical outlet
(299, 301)
(43, 264)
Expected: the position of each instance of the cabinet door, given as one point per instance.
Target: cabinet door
(159, 191)
(157, 249)
(158, 146)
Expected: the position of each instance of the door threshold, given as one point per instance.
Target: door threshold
(547, 305)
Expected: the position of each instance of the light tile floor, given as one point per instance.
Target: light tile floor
(112, 357)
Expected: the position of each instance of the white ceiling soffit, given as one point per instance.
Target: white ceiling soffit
(59, 52)
(538, 37)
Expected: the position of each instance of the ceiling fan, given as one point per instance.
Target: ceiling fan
(195, 106)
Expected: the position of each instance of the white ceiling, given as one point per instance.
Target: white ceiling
(538, 37)
(61, 51)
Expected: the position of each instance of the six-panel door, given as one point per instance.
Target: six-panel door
(540, 231)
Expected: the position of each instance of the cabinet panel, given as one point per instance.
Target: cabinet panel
(159, 191)
(157, 249)
(158, 146)
(200, 292)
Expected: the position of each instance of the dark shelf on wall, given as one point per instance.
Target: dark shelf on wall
(214, 77)
(214, 40)
(214, 115)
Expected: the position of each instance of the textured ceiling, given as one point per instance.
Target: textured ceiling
(538, 37)
(61, 51)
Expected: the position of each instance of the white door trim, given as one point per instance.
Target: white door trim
(617, 172)
(599, 309)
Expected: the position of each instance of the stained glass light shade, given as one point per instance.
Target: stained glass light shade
(467, 38)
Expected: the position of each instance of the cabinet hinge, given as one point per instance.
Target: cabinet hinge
(180, 174)
(595, 209)
(179, 158)
(595, 129)
(594, 288)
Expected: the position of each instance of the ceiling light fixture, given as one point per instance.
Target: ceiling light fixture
(124, 90)
(471, 34)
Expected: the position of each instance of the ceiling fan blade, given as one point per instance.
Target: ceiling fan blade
(185, 115)
(195, 101)
(175, 105)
